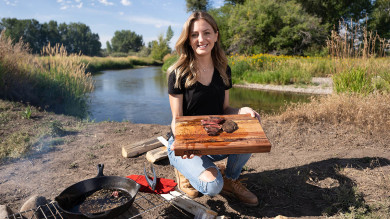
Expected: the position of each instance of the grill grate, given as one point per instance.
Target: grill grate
(143, 204)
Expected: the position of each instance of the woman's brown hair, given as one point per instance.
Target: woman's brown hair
(186, 64)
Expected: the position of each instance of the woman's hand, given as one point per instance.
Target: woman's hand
(246, 110)
(184, 156)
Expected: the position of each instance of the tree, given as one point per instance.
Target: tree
(169, 33)
(380, 18)
(109, 49)
(235, 2)
(126, 41)
(197, 5)
(221, 16)
(332, 11)
(50, 33)
(261, 26)
(29, 30)
(161, 47)
(77, 37)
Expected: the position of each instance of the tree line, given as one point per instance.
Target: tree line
(295, 27)
(76, 37)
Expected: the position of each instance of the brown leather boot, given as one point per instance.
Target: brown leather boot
(237, 189)
(222, 168)
(184, 185)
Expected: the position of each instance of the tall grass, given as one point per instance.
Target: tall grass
(58, 82)
(281, 70)
(369, 112)
(359, 58)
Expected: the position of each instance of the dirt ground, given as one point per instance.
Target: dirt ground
(313, 170)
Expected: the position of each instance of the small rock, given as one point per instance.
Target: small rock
(5, 211)
(31, 204)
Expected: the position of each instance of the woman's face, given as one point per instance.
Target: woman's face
(202, 37)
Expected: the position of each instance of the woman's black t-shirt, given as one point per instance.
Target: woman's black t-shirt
(200, 99)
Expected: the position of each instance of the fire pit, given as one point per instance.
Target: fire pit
(145, 203)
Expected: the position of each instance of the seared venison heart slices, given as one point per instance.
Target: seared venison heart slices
(215, 125)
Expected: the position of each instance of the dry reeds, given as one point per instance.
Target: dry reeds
(355, 41)
(369, 112)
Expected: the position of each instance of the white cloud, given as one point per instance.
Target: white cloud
(125, 2)
(59, 1)
(151, 21)
(12, 3)
(121, 13)
(64, 7)
(105, 2)
(77, 1)
(80, 5)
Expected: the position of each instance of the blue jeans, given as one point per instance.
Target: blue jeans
(193, 168)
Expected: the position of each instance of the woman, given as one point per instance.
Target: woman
(199, 84)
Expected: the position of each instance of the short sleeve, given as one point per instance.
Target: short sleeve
(229, 74)
(171, 84)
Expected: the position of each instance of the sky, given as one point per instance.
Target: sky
(148, 18)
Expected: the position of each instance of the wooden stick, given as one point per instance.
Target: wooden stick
(189, 205)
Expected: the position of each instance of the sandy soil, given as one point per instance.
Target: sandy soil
(312, 170)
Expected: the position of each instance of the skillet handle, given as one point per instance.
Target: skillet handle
(100, 170)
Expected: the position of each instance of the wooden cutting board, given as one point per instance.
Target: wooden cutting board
(192, 138)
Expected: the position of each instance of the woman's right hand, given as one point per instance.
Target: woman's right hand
(184, 156)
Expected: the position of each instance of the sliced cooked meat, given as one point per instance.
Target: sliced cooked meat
(208, 122)
(218, 120)
(229, 126)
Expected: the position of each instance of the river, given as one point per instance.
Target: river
(140, 96)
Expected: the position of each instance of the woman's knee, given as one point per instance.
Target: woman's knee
(213, 181)
(209, 175)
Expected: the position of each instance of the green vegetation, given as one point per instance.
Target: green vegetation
(125, 41)
(168, 61)
(95, 64)
(160, 48)
(57, 82)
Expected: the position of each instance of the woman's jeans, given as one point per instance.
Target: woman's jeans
(193, 168)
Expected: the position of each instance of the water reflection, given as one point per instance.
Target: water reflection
(141, 96)
(136, 95)
(264, 101)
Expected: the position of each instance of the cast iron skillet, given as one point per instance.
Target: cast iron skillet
(76, 193)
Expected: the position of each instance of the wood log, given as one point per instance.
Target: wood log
(157, 154)
(189, 205)
(140, 147)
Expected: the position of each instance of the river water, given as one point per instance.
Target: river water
(141, 96)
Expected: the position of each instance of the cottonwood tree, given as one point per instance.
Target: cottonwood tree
(261, 26)
(126, 41)
(380, 18)
(160, 47)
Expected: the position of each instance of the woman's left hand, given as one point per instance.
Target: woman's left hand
(248, 110)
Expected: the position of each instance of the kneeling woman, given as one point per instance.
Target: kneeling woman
(199, 84)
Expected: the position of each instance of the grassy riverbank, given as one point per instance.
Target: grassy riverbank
(351, 75)
(55, 81)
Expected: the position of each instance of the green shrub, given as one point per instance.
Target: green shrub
(169, 61)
